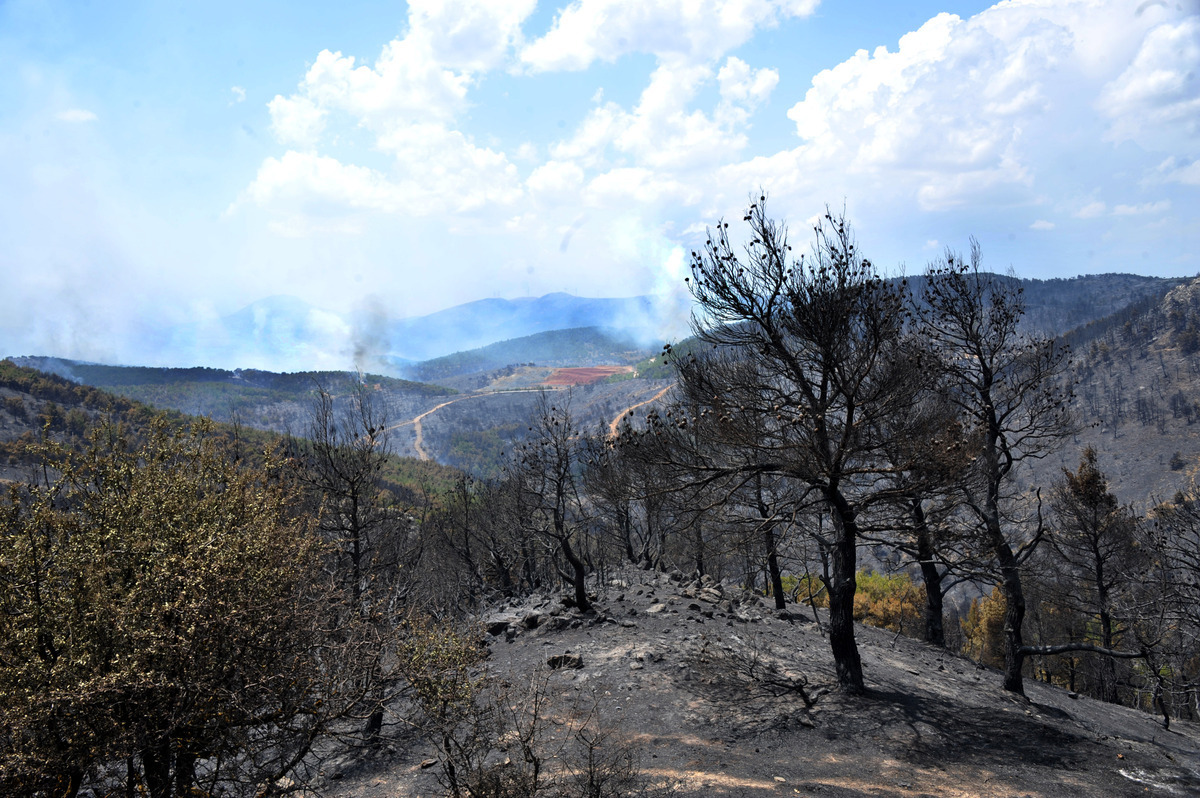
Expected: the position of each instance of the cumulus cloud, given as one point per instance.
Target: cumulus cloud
(296, 120)
(407, 101)
(1158, 95)
(693, 30)
(442, 172)
(743, 89)
(946, 107)
(1018, 106)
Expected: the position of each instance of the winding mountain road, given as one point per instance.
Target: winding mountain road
(616, 422)
(419, 440)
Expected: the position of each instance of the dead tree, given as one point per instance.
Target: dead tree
(809, 357)
(1009, 390)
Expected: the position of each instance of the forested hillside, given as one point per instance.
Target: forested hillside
(830, 445)
(1137, 380)
(582, 346)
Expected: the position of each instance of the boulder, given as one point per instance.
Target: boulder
(573, 661)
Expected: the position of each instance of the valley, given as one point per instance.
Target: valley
(692, 655)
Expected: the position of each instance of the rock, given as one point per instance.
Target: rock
(711, 595)
(497, 628)
(647, 655)
(554, 623)
(695, 607)
(654, 609)
(426, 764)
(573, 661)
(725, 605)
(531, 620)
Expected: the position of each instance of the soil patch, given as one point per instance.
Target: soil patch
(722, 695)
(585, 375)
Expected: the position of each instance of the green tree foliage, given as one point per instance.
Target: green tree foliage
(162, 607)
(889, 601)
(1095, 560)
(983, 629)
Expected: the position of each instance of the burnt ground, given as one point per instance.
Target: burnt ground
(708, 685)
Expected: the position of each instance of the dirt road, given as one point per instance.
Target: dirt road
(616, 422)
(419, 440)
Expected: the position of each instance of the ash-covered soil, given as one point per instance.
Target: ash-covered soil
(720, 694)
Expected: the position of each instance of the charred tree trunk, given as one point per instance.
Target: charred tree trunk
(935, 633)
(1014, 615)
(578, 576)
(842, 586)
(772, 547)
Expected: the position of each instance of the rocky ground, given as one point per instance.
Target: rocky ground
(718, 694)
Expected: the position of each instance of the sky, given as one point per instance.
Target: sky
(164, 164)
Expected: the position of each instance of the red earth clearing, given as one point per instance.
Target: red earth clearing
(584, 376)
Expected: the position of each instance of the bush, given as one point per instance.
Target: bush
(983, 629)
(162, 609)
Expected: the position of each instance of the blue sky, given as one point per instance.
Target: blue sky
(164, 164)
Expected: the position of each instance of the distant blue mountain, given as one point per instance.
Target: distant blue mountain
(284, 333)
(486, 321)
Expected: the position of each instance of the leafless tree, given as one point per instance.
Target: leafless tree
(545, 470)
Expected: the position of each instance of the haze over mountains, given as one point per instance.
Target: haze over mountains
(1133, 375)
(283, 333)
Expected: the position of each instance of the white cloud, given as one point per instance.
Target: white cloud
(76, 115)
(437, 171)
(698, 31)
(239, 94)
(316, 185)
(946, 107)
(1140, 210)
(663, 132)
(1091, 210)
(296, 120)
(555, 180)
(407, 101)
(469, 35)
(634, 185)
(1157, 97)
(1042, 224)
(1171, 171)
(443, 171)
(743, 89)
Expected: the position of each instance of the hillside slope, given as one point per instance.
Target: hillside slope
(1137, 398)
(699, 681)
